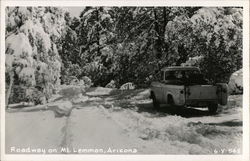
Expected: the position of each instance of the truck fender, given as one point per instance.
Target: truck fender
(222, 93)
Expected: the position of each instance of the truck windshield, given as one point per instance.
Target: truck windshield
(186, 76)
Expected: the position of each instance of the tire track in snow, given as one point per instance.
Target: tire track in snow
(67, 136)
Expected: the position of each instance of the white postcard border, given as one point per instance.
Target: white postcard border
(243, 3)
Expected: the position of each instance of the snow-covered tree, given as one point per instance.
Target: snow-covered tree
(214, 33)
(95, 37)
(69, 50)
(220, 37)
(131, 44)
(31, 51)
(124, 44)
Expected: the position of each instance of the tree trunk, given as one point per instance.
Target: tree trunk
(98, 31)
(9, 89)
(164, 19)
(157, 44)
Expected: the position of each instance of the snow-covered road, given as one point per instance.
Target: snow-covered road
(126, 124)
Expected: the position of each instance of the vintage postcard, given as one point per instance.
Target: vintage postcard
(124, 80)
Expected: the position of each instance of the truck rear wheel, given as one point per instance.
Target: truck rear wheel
(223, 93)
(212, 108)
(155, 103)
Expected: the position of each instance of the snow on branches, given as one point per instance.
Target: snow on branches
(32, 34)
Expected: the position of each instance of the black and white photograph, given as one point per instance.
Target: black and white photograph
(123, 80)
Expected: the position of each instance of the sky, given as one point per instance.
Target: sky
(75, 11)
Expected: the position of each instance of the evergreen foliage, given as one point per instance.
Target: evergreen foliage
(45, 46)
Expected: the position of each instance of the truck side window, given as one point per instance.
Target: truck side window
(170, 75)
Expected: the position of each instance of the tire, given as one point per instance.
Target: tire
(212, 108)
(155, 102)
(223, 96)
(170, 100)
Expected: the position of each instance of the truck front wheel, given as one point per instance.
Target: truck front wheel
(212, 108)
(155, 103)
(170, 100)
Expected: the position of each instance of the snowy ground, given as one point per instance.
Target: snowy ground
(114, 120)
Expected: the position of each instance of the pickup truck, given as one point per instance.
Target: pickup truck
(186, 86)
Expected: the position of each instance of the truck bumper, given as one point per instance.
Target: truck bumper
(200, 103)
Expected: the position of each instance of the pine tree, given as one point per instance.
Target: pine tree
(31, 51)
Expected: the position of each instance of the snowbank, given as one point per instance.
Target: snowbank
(127, 86)
(71, 91)
(145, 94)
(62, 108)
(99, 91)
(236, 82)
(193, 61)
(111, 84)
(235, 101)
(184, 135)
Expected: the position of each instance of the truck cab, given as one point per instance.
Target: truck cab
(186, 86)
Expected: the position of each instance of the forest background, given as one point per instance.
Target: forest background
(46, 47)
